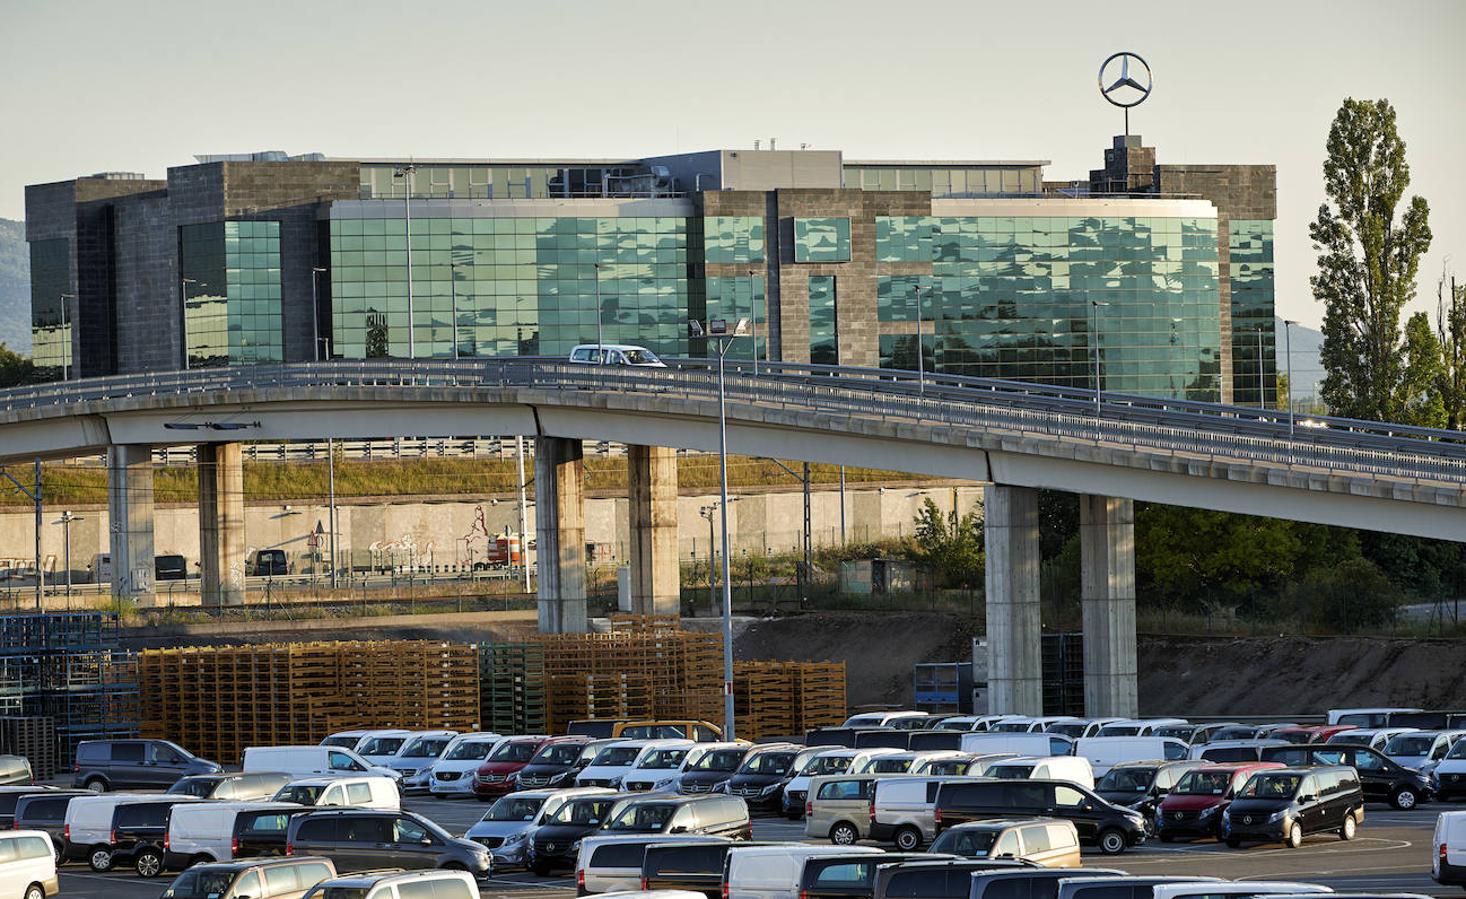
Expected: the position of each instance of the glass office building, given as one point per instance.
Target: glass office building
(51, 294)
(1037, 298)
(1254, 330)
(231, 292)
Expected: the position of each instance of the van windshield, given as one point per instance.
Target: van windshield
(663, 759)
(954, 724)
(340, 742)
(425, 748)
(1119, 730)
(1009, 772)
(299, 793)
(826, 764)
(1271, 786)
(583, 811)
(1203, 783)
(966, 843)
(948, 767)
(558, 754)
(1012, 727)
(471, 751)
(890, 766)
(1068, 729)
(382, 746)
(199, 885)
(1410, 744)
(1458, 751)
(616, 756)
(719, 760)
(512, 808)
(642, 817)
(1127, 780)
(197, 787)
(775, 763)
(509, 751)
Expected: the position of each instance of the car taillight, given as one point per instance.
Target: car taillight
(289, 848)
(234, 846)
(1443, 855)
(937, 816)
(167, 841)
(66, 833)
(112, 837)
(580, 878)
(725, 889)
(76, 767)
(804, 894)
(872, 811)
(809, 809)
(644, 882)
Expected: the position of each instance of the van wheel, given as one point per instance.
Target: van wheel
(149, 863)
(60, 852)
(844, 834)
(200, 859)
(1111, 842)
(1347, 829)
(96, 785)
(1165, 837)
(1294, 839)
(34, 891)
(908, 839)
(540, 869)
(100, 860)
(1405, 799)
(1233, 843)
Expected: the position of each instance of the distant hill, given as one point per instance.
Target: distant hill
(15, 287)
(1307, 367)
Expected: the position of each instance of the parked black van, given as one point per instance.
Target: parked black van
(103, 765)
(9, 796)
(884, 738)
(1381, 779)
(47, 812)
(833, 737)
(922, 740)
(138, 833)
(946, 879)
(759, 781)
(367, 839)
(1142, 785)
(1289, 803)
(554, 843)
(1112, 828)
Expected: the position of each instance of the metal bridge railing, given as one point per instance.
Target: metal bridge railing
(1207, 429)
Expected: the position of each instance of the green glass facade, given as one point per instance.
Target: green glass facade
(1254, 374)
(733, 239)
(1031, 298)
(731, 299)
(822, 240)
(231, 283)
(948, 180)
(824, 345)
(50, 322)
(520, 286)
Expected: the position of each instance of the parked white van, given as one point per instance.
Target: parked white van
(614, 762)
(204, 831)
(88, 826)
(831, 761)
(910, 762)
(1448, 849)
(659, 770)
(27, 865)
(418, 755)
(306, 761)
(1104, 753)
(378, 747)
(1373, 737)
(1368, 717)
(1039, 744)
(353, 739)
(775, 872)
(1137, 727)
(439, 884)
(885, 719)
(1070, 768)
(452, 774)
(360, 792)
(903, 810)
(1022, 724)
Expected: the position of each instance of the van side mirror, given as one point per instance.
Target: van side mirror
(678, 829)
(1309, 798)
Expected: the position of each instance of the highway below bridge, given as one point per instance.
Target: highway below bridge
(1015, 437)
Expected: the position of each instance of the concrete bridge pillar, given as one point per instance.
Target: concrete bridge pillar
(1107, 597)
(652, 483)
(1014, 625)
(130, 516)
(221, 524)
(559, 479)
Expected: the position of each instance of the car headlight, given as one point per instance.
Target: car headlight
(1277, 816)
(575, 847)
(515, 838)
(1207, 812)
(768, 789)
(613, 782)
(556, 778)
(1227, 815)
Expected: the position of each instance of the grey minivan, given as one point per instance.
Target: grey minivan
(368, 839)
(103, 765)
(249, 787)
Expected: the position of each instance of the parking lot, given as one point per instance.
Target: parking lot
(1392, 851)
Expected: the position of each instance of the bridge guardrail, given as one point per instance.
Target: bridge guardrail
(1182, 426)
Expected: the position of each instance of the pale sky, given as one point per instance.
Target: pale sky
(118, 86)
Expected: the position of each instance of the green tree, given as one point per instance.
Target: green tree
(1367, 263)
(15, 369)
(1450, 328)
(951, 547)
(1190, 557)
(1422, 377)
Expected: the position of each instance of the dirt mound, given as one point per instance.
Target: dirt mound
(1288, 675)
(878, 649)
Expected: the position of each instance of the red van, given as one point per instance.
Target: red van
(1194, 806)
(499, 773)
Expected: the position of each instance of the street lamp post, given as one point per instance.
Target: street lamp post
(600, 341)
(65, 521)
(405, 172)
(707, 512)
(920, 350)
(453, 292)
(753, 316)
(1261, 373)
(1288, 352)
(316, 272)
(718, 329)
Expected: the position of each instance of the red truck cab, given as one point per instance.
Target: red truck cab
(1195, 804)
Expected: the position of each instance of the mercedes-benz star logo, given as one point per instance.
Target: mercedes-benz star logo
(1122, 85)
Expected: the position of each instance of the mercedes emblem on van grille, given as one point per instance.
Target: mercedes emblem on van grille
(1246, 819)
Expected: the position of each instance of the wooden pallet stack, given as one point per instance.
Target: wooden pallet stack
(512, 698)
(34, 738)
(785, 699)
(217, 700)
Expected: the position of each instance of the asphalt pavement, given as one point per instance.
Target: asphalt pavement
(1392, 851)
